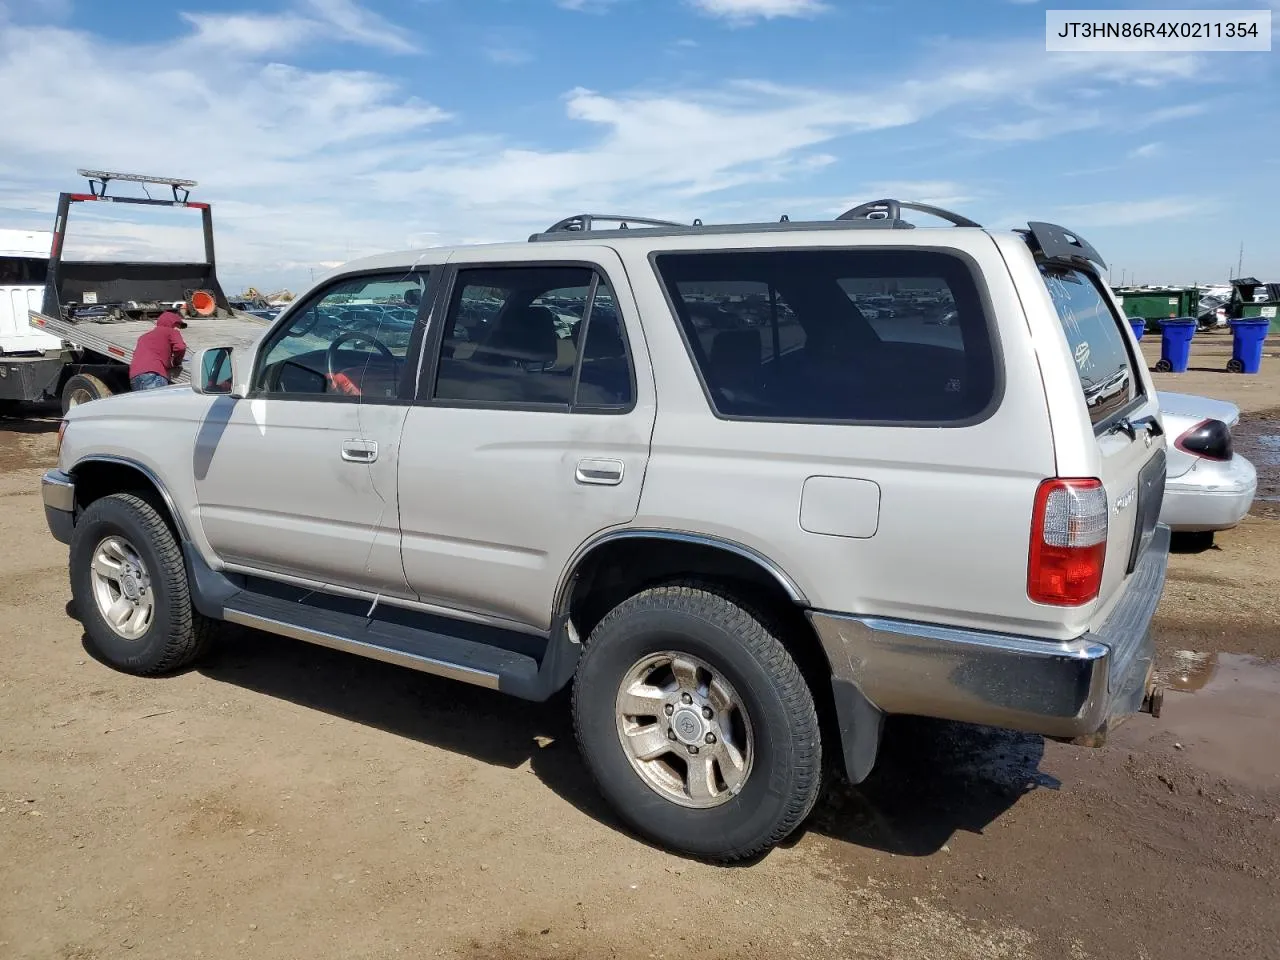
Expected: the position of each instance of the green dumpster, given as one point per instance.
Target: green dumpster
(1250, 298)
(1158, 303)
(1268, 310)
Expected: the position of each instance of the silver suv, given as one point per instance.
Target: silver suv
(750, 488)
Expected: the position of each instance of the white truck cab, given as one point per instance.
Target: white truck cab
(24, 259)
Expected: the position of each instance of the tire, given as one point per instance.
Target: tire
(1193, 541)
(1163, 366)
(1235, 366)
(82, 388)
(175, 634)
(784, 772)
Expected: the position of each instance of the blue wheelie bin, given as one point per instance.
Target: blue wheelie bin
(1175, 344)
(1139, 326)
(1247, 338)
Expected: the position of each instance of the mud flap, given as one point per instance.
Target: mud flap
(861, 725)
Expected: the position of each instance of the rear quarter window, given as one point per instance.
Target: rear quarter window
(1098, 345)
(897, 336)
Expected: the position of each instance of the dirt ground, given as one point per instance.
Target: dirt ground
(283, 801)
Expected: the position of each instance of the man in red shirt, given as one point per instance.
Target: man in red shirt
(158, 355)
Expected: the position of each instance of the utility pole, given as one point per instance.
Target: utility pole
(1240, 262)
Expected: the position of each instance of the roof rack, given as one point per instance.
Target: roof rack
(585, 221)
(98, 180)
(892, 210)
(879, 214)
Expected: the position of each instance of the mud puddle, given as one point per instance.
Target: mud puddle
(1223, 711)
(26, 441)
(1259, 440)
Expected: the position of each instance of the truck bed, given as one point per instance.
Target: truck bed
(117, 340)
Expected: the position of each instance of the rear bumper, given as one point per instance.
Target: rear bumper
(58, 491)
(1066, 690)
(1213, 495)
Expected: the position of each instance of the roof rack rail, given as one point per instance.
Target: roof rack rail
(586, 221)
(98, 180)
(892, 210)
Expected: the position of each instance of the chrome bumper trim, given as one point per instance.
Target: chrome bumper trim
(58, 491)
(1059, 689)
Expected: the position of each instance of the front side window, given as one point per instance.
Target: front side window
(1098, 346)
(534, 336)
(350, 341)
(886, 336)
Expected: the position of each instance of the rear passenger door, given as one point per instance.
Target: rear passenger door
(530, 432)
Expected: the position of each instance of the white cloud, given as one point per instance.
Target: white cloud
(938, 193)
(587, 6)
(506, 55)
(1146, 151)
(745, 11)
(326, 159)
(1128, 213)
(255, 34)
(1167, 114)
(251, 33)
(1041, 127)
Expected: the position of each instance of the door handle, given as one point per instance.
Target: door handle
(360, 451)
(600, 472)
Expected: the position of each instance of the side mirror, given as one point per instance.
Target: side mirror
(215, 372)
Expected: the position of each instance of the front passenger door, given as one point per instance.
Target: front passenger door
(300, 481)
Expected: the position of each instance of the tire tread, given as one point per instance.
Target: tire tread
(759, 633)
(190, 633)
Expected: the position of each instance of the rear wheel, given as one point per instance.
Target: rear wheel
(1235, 366)
(129, 587)
(1163, 366)
(1193, 541)
(697, 724)
(82, 388)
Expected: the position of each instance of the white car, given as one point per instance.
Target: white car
(1208, 486)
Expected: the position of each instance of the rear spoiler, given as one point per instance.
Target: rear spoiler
(1058, 244)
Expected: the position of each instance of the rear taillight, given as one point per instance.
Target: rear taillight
(1068, 542)
(1208, 438)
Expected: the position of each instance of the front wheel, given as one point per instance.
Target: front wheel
(129, 587)
(697, 724)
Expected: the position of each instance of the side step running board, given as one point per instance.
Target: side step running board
(426, 651)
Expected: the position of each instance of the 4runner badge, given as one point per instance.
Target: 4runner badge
(1122, 503)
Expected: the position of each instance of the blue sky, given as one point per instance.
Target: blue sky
(323, 130)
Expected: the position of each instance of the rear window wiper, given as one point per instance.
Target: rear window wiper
(1130, 428)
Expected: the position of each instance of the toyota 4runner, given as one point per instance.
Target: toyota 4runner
(749, 488)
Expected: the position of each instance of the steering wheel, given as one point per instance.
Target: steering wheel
(331, 355)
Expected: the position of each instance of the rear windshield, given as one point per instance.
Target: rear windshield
(898, 336)
(1098, 345)
(22, 271)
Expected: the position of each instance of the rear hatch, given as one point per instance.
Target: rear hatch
(1126, 449)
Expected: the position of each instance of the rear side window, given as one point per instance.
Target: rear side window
(1098, 345)
(22, 271)
(880, 336)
